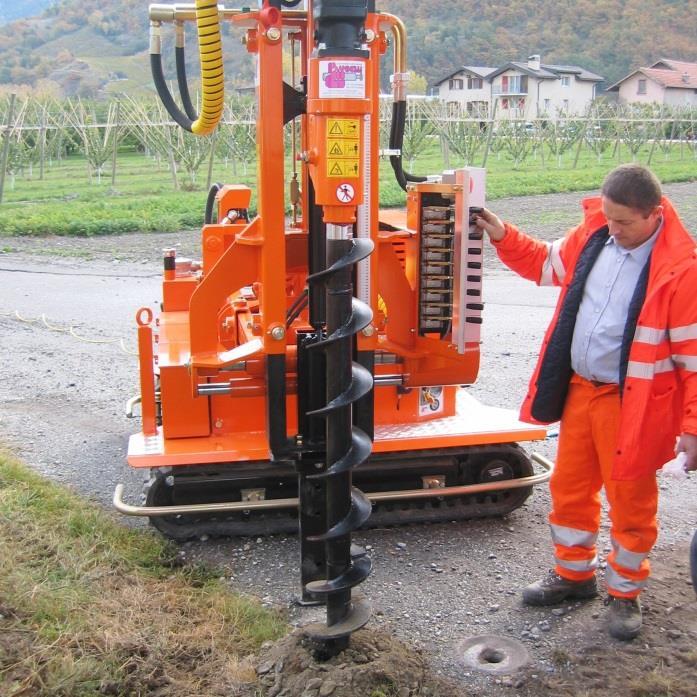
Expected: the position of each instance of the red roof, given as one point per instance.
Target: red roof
(677, 74)
(686, 79)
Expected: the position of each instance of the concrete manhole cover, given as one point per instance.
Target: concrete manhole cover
(492, 654)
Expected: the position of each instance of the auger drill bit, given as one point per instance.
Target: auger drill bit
(347, 445)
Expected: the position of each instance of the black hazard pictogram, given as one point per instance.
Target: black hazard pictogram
(336, 169)
(336, 129)
(336, 149)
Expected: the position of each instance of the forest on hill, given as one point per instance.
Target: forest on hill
(83, 46)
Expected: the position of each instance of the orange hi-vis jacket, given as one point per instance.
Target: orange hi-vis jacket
(658, 370)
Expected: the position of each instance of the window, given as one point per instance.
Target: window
(514, 84)
(565, 105)
(474, 83)
(565, 81)
(548, 105)
(641, 87)
(504, 104)
(477, 108)
(456, 84)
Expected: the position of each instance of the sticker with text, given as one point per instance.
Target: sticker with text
(344, 79)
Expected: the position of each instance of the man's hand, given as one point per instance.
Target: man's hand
(687, 443)
(490, 223)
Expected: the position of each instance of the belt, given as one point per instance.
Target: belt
(595, 383)
(598, 383)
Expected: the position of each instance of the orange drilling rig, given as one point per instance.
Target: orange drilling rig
(308, 372)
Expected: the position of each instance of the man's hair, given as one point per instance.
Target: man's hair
(633, 186)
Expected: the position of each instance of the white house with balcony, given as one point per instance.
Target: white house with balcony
(467, 90)
(523, 90)
(666, 81)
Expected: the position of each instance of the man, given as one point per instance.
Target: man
(618, 367)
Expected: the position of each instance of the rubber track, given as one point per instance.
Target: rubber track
(493, 504)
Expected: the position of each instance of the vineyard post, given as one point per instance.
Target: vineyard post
(6, 143)
(116, 144)
(491, 132)
(581, 141)
(211, 157)
(42, 143)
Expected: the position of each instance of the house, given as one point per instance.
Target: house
(467, 89)
(667, 82)
(523, 90)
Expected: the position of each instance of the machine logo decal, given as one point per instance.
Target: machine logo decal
(345, 193)
(345, 79)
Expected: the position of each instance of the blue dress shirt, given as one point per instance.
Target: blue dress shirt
(602, 315)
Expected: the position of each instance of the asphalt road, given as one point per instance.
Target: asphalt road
(62, 396)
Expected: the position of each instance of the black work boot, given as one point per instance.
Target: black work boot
(553, 589)
(623, 617)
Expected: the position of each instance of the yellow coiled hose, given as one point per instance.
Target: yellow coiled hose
(212, 77)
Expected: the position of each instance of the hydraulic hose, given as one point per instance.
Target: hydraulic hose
(181, 73)
(210, 202)
(212, 76)
(399, 105)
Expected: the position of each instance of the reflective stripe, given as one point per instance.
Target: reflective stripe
(664, 366)
(622, 584)
(639, 369)
(649, 335)
(627, 559)
(686, 362)
(583, 565)
(573, 537)
(553, 264)
(689, 331)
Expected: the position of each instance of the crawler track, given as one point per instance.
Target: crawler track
(387, 473)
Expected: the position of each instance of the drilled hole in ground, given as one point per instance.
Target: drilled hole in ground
(491, 656)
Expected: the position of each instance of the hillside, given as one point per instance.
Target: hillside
(90, 47)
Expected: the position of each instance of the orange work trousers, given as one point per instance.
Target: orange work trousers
(587, 444)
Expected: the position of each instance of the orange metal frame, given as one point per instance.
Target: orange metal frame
(220, 322)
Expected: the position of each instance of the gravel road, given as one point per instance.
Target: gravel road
(63, 395)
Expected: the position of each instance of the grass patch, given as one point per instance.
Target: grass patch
(89, 607)
(655, 684)
(70, 202)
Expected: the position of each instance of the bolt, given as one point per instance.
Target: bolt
(369, 330)
(278, 333)
(218, 423)
(273, 33)
(369, 36)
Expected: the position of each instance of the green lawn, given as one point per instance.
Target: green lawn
(69, 202)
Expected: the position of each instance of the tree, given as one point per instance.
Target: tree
(416, 84)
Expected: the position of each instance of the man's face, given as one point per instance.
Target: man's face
(629, 226)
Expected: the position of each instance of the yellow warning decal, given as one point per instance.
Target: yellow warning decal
(343, 128)
(343, 147)
(342, 168)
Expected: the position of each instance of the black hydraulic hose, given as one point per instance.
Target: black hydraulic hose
(184, 84)
(399, 115)
(165, 95)
(212, 193)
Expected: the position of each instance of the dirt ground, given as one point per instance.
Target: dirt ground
(433, 587)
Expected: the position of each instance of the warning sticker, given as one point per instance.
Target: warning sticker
(345, 79)
(345, 193)
(343, 128)
(342, 168)
(343, 147)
